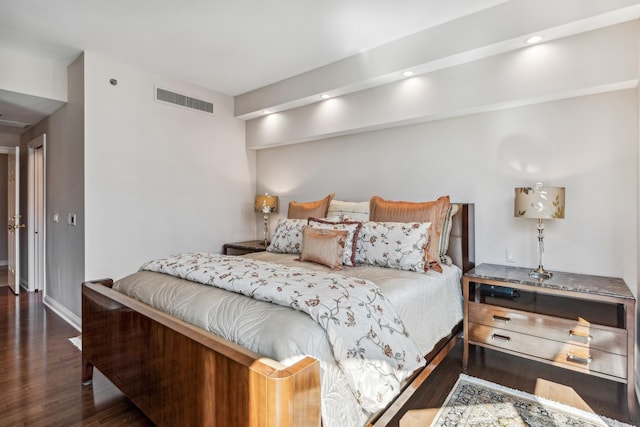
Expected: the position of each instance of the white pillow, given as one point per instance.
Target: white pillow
(357, 211)
(443, 246)
(399, 245)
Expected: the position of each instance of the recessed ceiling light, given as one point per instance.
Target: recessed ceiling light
(325, 96)
(533, 39)
(266, 112)
(408, 73)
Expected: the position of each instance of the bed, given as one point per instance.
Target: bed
(178, 373)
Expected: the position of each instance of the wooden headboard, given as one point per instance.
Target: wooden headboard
(462, 237)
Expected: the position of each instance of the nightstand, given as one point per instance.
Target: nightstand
(241, 248)
(573, 321)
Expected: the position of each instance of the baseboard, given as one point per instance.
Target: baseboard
(63, 312)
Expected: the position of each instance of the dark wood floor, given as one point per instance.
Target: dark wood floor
(40, 382)
(589, 393)
(40, 375)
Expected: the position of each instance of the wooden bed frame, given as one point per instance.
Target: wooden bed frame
(179, 374)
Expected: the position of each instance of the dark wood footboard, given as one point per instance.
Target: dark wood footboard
(178, 374)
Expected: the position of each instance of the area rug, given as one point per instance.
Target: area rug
(475, 402)
(77, 342)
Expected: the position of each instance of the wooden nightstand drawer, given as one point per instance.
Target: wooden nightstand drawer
(575, 332)
(574, 356)
(575, 321)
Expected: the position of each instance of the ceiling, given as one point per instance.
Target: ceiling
(233, 47)
(229, 46)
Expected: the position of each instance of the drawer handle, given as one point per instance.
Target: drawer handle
(497, 318)
(579, 359)
(585, 338)
(500, 338)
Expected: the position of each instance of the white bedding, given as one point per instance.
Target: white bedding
(430, 305)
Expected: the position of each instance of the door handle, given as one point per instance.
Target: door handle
(13, 227)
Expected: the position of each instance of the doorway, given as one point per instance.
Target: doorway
(13, 218)
(36, 229)
(4, 247)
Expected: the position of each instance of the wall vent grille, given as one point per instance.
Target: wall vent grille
(13, 124)
(164, 95)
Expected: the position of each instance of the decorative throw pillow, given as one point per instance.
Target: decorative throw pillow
(399, 245)
(443, 247)
(323, 246)
(305, 210)
(287, 239)
(434, 212)
(351, 227)
(356, 211)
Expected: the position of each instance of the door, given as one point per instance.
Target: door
(36, 227)
(14, 226)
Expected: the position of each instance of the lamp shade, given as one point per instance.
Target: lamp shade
(539, 202)
(266, 203)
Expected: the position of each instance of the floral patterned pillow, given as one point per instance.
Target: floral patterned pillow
(399, 245)
(287, 239)
(351, 227)
(434, 211)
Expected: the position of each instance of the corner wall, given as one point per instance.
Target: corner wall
(64, 180)
(159, 179)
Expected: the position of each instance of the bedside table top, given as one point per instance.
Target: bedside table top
(571, 282)
(249, 245)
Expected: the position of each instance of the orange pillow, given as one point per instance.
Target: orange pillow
(305, 210)
(434, 212)
(323, 246)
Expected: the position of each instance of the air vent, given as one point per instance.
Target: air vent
(185, 101)
(14, 124)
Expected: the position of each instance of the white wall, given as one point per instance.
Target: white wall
(588, 63)
(31, 75)
(159, 179)
(586, 144)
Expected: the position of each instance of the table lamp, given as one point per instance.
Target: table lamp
(539, 203)
(266, 204)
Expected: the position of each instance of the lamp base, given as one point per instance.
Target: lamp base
(540, 273)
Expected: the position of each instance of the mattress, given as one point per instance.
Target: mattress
(429, 304)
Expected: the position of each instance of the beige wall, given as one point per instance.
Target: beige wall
(65, 194)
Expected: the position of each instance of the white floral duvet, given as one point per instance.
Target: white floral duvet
(382, 347)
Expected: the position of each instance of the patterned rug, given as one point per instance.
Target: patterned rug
(475, 402)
